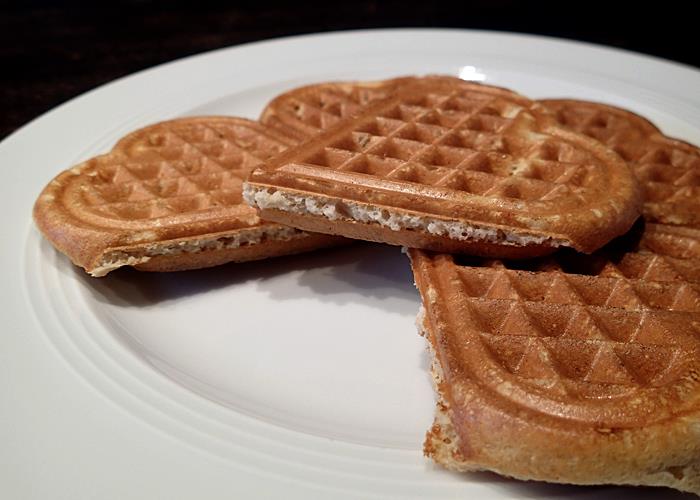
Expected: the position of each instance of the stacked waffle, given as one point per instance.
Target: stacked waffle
(564, 327)
(167, 198)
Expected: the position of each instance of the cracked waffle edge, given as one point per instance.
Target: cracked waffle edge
(265, 198)
(441, 442)
(621, 213)
(140, 256)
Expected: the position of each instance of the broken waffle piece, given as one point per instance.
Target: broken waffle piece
(442, 164)
(167, 198)
(570, 368)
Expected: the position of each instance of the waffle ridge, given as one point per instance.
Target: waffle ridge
(184, 168)
(306, 111)
(619, 319)
(440, 146)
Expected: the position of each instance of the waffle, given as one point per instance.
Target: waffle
(168, 197)
(668, 169)
(569, 368)
(447, 165)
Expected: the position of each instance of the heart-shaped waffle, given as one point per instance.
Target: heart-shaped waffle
(570, 368)
(442, 164)
(168, 197)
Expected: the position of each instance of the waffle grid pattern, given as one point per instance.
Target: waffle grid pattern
(176, 169)
(589, 327)
(670, 172)
(321, 109)
(451, 140)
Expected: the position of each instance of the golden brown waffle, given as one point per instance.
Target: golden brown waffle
(571, 368)
(668, 169)
(168, 197)
(447, 165)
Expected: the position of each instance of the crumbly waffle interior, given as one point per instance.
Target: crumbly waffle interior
(623, 319)
(669, 171)
(454, 141)
(174, 170)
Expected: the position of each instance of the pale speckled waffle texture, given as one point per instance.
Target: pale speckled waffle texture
(570, 368)
(168, 197)
(449, 160)
(668, 169)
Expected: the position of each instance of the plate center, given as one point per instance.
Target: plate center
(323, 343)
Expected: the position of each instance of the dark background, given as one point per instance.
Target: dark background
(52, 51)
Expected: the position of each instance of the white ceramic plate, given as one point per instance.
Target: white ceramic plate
(293, 378)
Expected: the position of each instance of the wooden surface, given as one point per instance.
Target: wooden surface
(52, 51)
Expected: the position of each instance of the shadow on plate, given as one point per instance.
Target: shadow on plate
(512, 488)
(355, 272)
